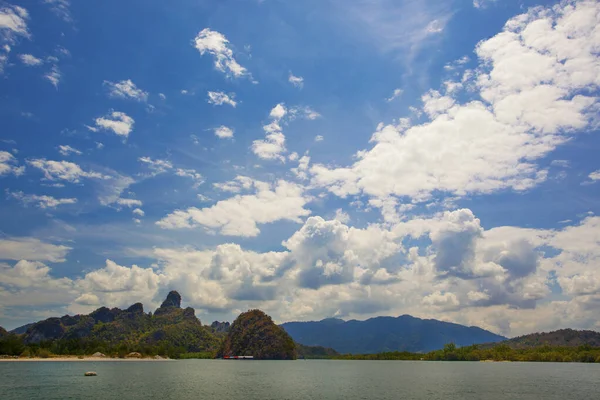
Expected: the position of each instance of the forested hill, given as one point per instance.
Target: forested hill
(383, 334)
(560, 338)
(171, 329)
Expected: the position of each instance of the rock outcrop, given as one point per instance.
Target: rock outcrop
(3, 332)
(173, 300)
(169, 327)
(255, 334)
(220, 327)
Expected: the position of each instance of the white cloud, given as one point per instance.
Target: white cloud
(191, 173)
(238, 184)
(65, 150)
(63, 170)
(278, 112)
(595, 176)
(118, 122)
(297, 81)
(224, 132)
(397, 93)
(240, 215)
(139, 211)
(54, 76)
(117, 285)
(32, 249)
(217, 44)
(532, 102)
(61, 8)
(13, 23)
(30, 60)
(9, 164)
(442, 300)
(480, 4)
(129, 203)
(319, 138)
(162, 96)
(301, 170)
(126, 90)
(14, 20)
(342, 216)
(220, 98)
(41, 201)
(274, 143)
(157, 166)
(99, 145)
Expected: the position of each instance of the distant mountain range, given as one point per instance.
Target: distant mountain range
(560, 338)
(173, 330)
(382, 334)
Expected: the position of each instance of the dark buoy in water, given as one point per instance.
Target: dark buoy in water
(90, 373)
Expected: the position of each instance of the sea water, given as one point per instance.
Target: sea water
(302, 379)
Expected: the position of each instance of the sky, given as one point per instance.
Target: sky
(314, 159)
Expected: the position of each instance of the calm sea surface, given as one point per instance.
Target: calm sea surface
(318, 379)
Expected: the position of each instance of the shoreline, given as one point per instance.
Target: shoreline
(76, 359)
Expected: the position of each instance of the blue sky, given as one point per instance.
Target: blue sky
(312, 159)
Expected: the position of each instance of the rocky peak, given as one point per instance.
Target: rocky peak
(173, 300)
(137, 308)
(220, 326)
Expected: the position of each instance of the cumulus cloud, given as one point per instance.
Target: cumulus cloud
(126, 90)
(224, 132)
(129, 203)
(65, 150)
(238, 184)
(240, 215)
(531, 78)
(13, 23)
(9, 164)
(53, 76)
(272, 147)
(595, 176)
(118, 122)
(63, 170)
(397, 93)
(220, 98)
(27, 248)
(216, 44)
(43, 202)
(296, 81)
(328, 268)
(30, 60)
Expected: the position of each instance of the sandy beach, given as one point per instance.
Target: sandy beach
(76, 359)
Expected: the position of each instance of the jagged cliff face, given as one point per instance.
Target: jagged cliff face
(170, 325)
(220, 327)
(255, 334)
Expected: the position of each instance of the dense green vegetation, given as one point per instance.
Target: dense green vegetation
(315, 352)
(254, 333)
(171, 331)
(500, 352)
(559, 338)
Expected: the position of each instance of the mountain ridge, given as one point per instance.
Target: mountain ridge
(382, 334)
